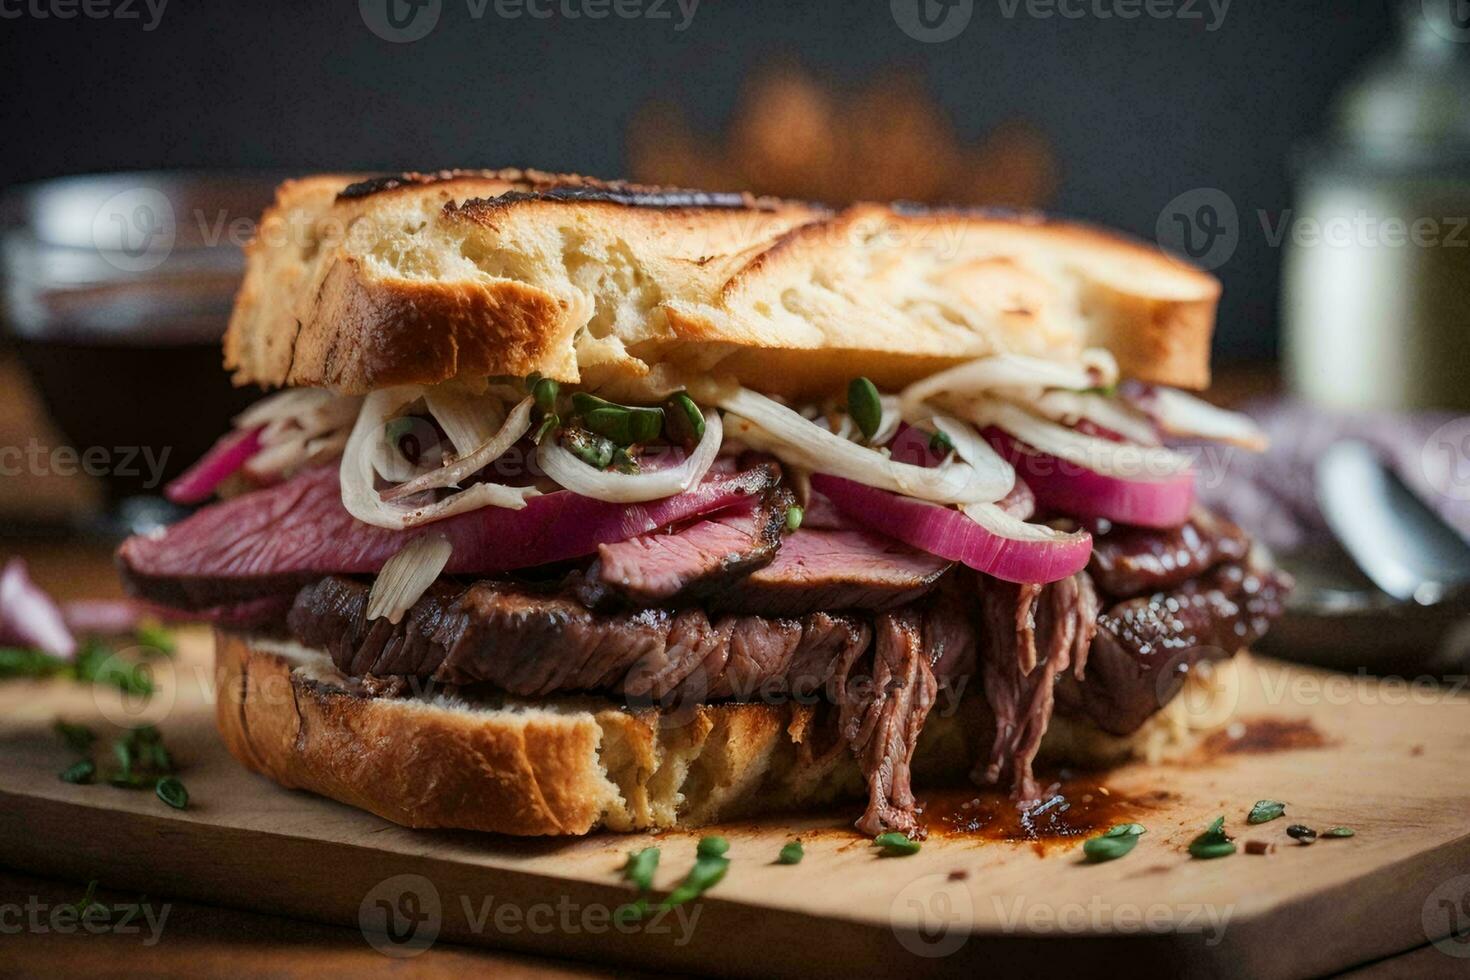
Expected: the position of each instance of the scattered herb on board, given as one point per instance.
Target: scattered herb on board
(84, 771)
(94, 663)
(640, 867)
(155, 637)
(78, 738)
(791, 853)
(1339, 832)
(1265, 810)
(1213, 843)
(171, 791)
(710, 866)
(1113, 843)
(895, 844)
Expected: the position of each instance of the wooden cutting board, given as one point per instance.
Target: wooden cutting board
(1395, 766)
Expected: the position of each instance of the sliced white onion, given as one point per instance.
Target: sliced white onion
(357, 474)
(796, 440)
(1118, 459)
(1012, 371)
(1181, 414)
(469, 420)
(407, 576)
(515, 425)
(571, 472)
(286, 404)
(1069, 407)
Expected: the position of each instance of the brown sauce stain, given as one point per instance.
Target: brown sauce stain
(1068, 810)
(1258, 736)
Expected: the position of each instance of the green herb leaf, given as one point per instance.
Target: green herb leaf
(18, 662)
(1126, 830)
(683, 421)
(640, 867)
(78, 738)
(864, 405)
(940, 444)
(124, 751)
(626, 426)
(548, 424)
(791, 853)
(895, 844)
(1208, 849)
(794, 514)
(545, 392)
(591, 449)
(706, 873)
(79, 772)
(172, 792)
(1265, 810)
(712, 847)
(1109, 846)
(623, 461)
(1339, 832)
(155, 637)
(1213, 843)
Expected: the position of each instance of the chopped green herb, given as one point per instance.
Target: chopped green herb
(1108, 847)
(706, 873)
(865, 407)
(712, 847)
(172, 792)
(1339, 832)
(531, 380)
(548, 424)
(640, 866)
(626, 426)
(940, 444)
(623, 461)
(1265, 810)
(791, 853)
(98, 664)
(124, 752)
(545, 392)
(79, 772)
(1126, 830)
(1301, 833)
(591, 449)
(794, 514)
(78, 738)
(895, 844)
(16, 662)
(683, 421)
(89, 898)
(1213, 843)
(155, 637)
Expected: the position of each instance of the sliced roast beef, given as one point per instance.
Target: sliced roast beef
(1132, 561)
(883, 728)
(279, 539)
(699, 558)
(1146, 647)
(1033, 635)
(532, 643)
(834, 570)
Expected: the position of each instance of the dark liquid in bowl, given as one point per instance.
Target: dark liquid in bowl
(143, 406)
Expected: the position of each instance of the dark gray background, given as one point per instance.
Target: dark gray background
(1138, 111)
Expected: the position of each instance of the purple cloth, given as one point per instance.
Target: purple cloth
(1272, 494)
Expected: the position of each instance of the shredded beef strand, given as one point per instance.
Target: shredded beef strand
(884, 733)
(1058, 620)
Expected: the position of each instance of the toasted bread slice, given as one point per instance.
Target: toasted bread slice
(421, 278)
(569, 765)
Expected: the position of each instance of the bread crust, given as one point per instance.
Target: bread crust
(358, 284)
(566, 766)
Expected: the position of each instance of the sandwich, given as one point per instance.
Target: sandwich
(581, 504)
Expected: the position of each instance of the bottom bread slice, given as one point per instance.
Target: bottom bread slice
(569, 765)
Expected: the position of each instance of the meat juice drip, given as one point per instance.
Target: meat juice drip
(1067, 811)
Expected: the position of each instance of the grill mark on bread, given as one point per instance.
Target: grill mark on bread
(535, 185)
